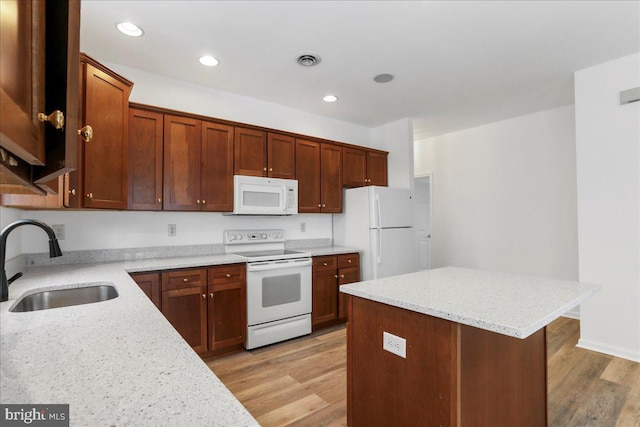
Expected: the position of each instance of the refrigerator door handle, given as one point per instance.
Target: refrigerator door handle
(378, 223)
(379, 231)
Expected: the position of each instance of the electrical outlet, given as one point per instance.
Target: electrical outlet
(58, 229)
(172, 230)
(303, 227)
(394, 344)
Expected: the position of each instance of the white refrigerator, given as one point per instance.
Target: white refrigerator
(379, 222)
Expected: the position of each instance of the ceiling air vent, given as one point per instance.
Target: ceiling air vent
(308, 59)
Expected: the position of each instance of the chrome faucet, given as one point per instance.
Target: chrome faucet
(54, 250)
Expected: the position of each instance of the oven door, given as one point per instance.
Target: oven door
(278, 290)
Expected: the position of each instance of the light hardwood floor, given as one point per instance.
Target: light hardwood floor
(302, 382)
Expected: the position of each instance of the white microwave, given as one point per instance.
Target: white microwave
(255, 195)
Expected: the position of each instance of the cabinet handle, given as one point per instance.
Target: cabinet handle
(324, 206)
(325, 264)
(185, 280)
(72, 191)
(264, 169)
(342, 276)
(198, 201)
(159, 200)
(228, 275)
(86, 133)
(90, 195)
(203, 201)
(204, 296)
(319, 206)
(211, 295)
(335, 275)
(270, 169)
(56, 119)
(349, 261)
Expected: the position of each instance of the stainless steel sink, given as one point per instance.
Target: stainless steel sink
(100, 291)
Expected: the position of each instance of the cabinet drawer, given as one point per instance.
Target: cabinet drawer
(180, 279)
(227, 274)
(348, 260)
(325, 263)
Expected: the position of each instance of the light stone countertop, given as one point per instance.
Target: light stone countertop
(330, 250)
(116, 362)
(508, 304)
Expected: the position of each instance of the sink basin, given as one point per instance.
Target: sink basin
(101, 291)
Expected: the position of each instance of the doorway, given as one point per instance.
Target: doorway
(422, 216)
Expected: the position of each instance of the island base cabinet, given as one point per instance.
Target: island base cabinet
(452, 375)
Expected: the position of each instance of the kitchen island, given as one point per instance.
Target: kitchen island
(463, 347)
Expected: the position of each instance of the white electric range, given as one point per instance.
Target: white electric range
(278, 286)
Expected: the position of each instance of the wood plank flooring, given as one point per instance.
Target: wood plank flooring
(302, 382)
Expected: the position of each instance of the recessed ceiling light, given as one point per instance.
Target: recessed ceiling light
(383, 78)
(209, 61)
(330, 98)
(130, 29)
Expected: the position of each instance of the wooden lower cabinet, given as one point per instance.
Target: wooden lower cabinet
(150, 285)
(328, 274)
(207, 306)
(453, 374)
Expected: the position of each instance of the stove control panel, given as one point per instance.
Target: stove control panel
(237, 237)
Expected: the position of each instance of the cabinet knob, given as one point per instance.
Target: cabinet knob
(90, 195)
(185, 280)
(325, 264)
(159, 200)
(198, 201)
(56, 119)
(211, 295)
(228, 275)
(342, 276)
(264, 169)
(335, 275)
(324, 206)
(204, 296)
(319, 206)
(86, 133)
(270, 169)
(72, 191)
(349, 261)
(203, 201)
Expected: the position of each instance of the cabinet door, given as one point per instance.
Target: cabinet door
(182, 141)
(250, 152)
(346, 276)
(145, 160)
(186, 310)
(324, 296)
(106, 109)
(308, 175)
(331, 178)
(354, 173)
(150, 285)
(281, 156)
(217, 167)
(22, 66)
(227, 315)
(376, 168)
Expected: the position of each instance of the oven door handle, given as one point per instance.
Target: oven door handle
(278, 265)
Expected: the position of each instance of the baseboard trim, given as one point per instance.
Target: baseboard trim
(608, 349)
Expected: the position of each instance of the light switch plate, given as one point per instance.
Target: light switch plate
(394, 344)
(172, 230)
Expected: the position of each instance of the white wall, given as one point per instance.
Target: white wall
(167, 92)
(14, 241)
(608, 160)
(504, 195)
(397, 138)
(103, 229)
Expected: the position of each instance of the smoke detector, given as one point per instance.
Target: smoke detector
(383, 78)
(308, 59)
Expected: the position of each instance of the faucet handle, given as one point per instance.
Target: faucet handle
(14, 278)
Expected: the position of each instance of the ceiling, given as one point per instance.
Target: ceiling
(456, 64)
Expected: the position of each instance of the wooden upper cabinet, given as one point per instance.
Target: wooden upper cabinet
(250, 152)
(281, 156)
(308, 175)
(217, 167)
(364, 167)
(376, 168)
(105, 158)
(35, 152)
(182, 141)
(331, 178)
(355, 170)
(145, 160)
